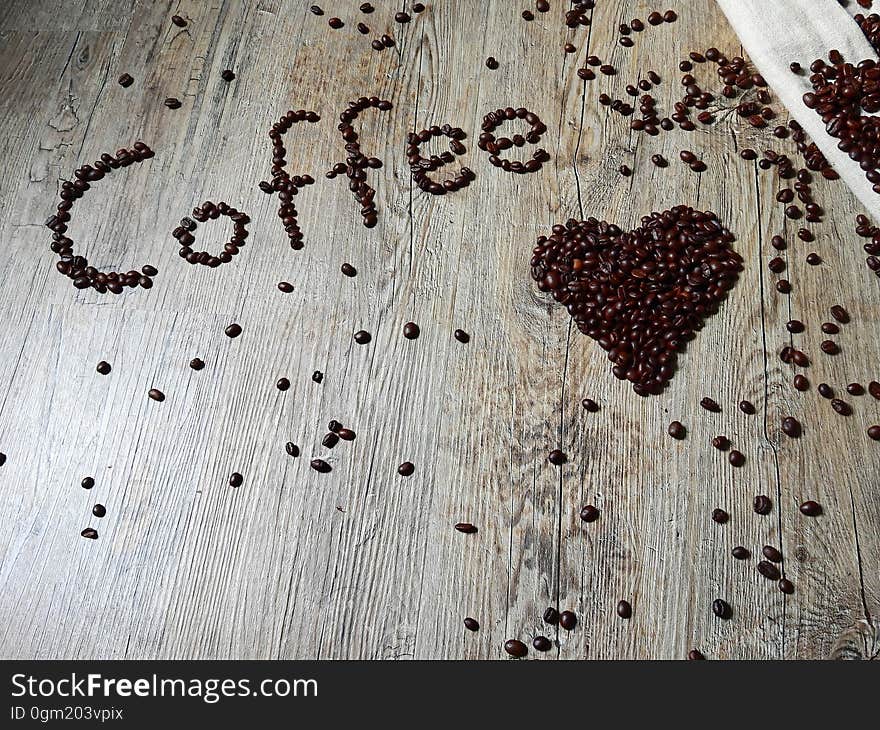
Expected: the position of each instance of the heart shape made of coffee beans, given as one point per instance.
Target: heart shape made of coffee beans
(643, 294)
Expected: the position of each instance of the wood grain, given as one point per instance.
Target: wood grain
(361, 562)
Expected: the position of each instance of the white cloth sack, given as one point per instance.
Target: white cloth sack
(776, 32)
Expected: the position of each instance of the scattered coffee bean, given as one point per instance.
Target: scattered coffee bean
(772, 554)
(330, 440)
(874, 433)
(676, 430)
(320, 465)
(282, 384)
(462, 336)
(362, 337)
(125, 81)
(178, 21)
(740, 553)
(710, 405)
(721, 608)
(589, 513)
(465, 527)
(762, 504)
(557, 457)
(800, 383)
(406, 469)
(471, 624)
(855, 389)
(227, 74)
(236, 479)
(841, 408)
(786, 586)
(720, 516)
(811, 508)
(285, 286)
(840, 314)
(590, 405)
(156, 394)
(747, 407)
(624, 609)
(825, 390)
(768, 570)
(491, 63)
(317, 376)
(874, 389)
(515, 648)
(89, 534)
(542, 643)
(829, 328)
(722, 443)
(335, 23)
(567, 620)
(173, 103)
(736, 458)
(829, 347)
(411, 330)
(791, 427)
(233, 330)
(551, 615)
(348, 270)
(695, 655)
(87, 482)
(99, 510)
(103, 367)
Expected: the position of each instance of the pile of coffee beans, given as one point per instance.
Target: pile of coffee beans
(641, 295)
(76, 267)
(420, 166)
(493, 146)
(208, 211)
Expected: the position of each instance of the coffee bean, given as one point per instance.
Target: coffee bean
(86, 483)
(557, 457)
(829, 328)
(233, 330)
(710, 405)
(406, 469)
(722, 443)
(125, 80)
(99, 510)
(197, 363)
(527, 15)
(772, 554)
(567, 620)
(768, 570)
(814, 259)
(542, 643)
(874, 389)
(515, 648)
(720, 516)
(659, 160)
(236, 479)
(736, 458)
(387, 41)
(825, 390)
(462, 336)
(335, 23)
(178, 21)
(842, 408)
(800, 383)
(227, 74)
(402, 17)
(670, 16)
(366, 8)
(348, 270)
(740, 553)
(840, 314)
(676, 430)
(791, 427)
(285, 286)
(811, 508)
(624, 609)
(747, 407)
(282, 384)
(465, 527)
(419, 7)
(786, 586)
(491, 63)
(330, 440)
(317, 376)
(89, 534)
(721, 608)
(783, 286)
(695, 655)
(346, 434)
(411, 330)
(362, 337)
(590, 405)
(471, 624)
(589, 513)
(103, 367)
(173, 103)
(829, 347)
(320, 465)
(551, 615)
(874, 433)
(762, 504)
(156, 394)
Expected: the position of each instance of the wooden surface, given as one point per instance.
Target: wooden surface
(361, 562)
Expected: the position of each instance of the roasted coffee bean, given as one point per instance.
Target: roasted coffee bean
(366, 8)
(320, 465)
(317, 376)
(125, 80)
(197, 363)
(841, 408)
(282, 384)
(99, 510)
(236, 479)
(814, 259)
(874, 389)
(795, 326)
(747, 407)
(811, 508)
(590, 405)
(772, 554)
(840, 314)
(387, 41)
(740, 553)
(589, 513)
(411, 330)
(178, 21)
(722, 443)
(292, 449)
(90, 534)
(542, 643)
(829, 347)
(285, 286)
(466, 527)
(736, 458)
(720, 516)
(791, 427)
(557, 457)
(800, 359)
(492, 63)
(362, 29)
(419, 7)
(624, 609)
(762, 504)
(783, 286)
(471, 624)
(874, 433)
(86, 483)
(825, 390)
(227, 74)
(233, 330)
(710, 405)
(567, 620)
(156, 394)
(676, 430)
(695, 655)
(721, 608)
(551, 615)
(515, 648)
(362, 337)
(829, 328)
(173, 103)
(334, 426)
(335, 23)
(406, 469)
(348, 270)
(768, 570)
(786, 586)
(346, 434)
(655, 18)
(800, 383)
(776, 265)
(527, 15)
(670, 16)
(330, 440)
(462, 336)
(103, 367)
